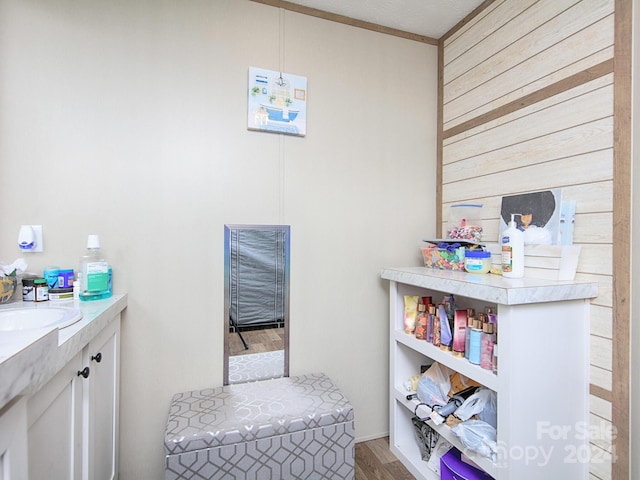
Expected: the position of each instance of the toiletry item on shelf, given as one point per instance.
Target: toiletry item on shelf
(512, 243)
(436, 330)
(471, 316)
(493, 320)
(95, 282)
(410, 313)
(425, 300)
(421, 322)
(467, 337)
(495, 358)
(459, 332)
(475, 342)
(486, 346)
(446, 337)
(430, 319)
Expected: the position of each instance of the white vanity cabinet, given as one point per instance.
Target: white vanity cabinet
(13, 440)
(54, 419)
(73, 419)
(102, 355)
(542, 383)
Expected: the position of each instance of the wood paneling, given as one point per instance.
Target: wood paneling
(531, 99)
(524, 57)
(622, 167)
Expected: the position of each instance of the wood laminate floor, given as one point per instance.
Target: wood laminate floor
(374, 461)
(259, 341)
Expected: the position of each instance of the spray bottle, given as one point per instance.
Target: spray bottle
(512, 242)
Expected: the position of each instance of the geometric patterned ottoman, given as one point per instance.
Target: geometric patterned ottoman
(286, 428)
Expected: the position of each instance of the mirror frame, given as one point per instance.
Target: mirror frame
(228, 228)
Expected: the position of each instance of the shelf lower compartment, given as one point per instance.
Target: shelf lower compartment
(462, 365)
(445, 431)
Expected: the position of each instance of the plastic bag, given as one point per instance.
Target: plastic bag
(479, 437)
(440, 449)
(434, 385)
(426, 437)
(484, 403)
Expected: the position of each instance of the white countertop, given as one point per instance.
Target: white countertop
(30, 358)
(490, 287)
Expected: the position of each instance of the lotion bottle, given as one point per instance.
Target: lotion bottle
(512, 242)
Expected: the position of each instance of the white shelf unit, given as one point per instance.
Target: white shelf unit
(542, 382)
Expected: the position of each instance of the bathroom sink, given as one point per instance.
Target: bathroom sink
(28, 318)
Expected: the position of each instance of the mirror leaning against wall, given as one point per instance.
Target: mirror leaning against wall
(256, 302)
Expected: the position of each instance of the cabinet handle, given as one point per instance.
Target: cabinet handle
(97, 357)
(84, 373)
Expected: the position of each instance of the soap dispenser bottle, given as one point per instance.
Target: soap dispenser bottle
(512, 242)
(95, 272)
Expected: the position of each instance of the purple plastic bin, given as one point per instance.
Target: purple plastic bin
(453, 468)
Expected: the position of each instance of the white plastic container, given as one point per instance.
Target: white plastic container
(512, 243)
(477, 261)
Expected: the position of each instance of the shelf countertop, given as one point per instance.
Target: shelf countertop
(490, 287)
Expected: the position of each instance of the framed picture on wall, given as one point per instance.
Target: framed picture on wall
(537, 214)
(277, 102)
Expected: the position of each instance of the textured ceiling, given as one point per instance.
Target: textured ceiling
(432, 18)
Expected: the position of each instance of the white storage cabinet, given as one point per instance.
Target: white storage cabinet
(73, 420)
(542, 383)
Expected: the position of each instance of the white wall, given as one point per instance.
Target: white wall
(127, 119)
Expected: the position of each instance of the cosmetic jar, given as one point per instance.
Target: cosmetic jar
(34, 290)
(51, 276)
(477, 261)
(65, 278)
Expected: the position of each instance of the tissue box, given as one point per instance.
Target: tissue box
(443, 258)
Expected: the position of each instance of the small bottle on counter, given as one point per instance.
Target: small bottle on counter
(40, 290)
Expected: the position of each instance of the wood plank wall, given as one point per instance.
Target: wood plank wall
(527, 105)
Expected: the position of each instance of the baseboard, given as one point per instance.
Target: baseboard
(374, 436)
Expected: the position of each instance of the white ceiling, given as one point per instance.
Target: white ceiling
(432, 18)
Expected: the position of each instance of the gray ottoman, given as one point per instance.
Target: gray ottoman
(286, 428)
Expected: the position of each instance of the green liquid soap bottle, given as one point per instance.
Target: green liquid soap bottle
(95, 279)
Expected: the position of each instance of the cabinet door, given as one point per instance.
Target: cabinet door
(54, 419)
(102, 403)
(13, 441)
